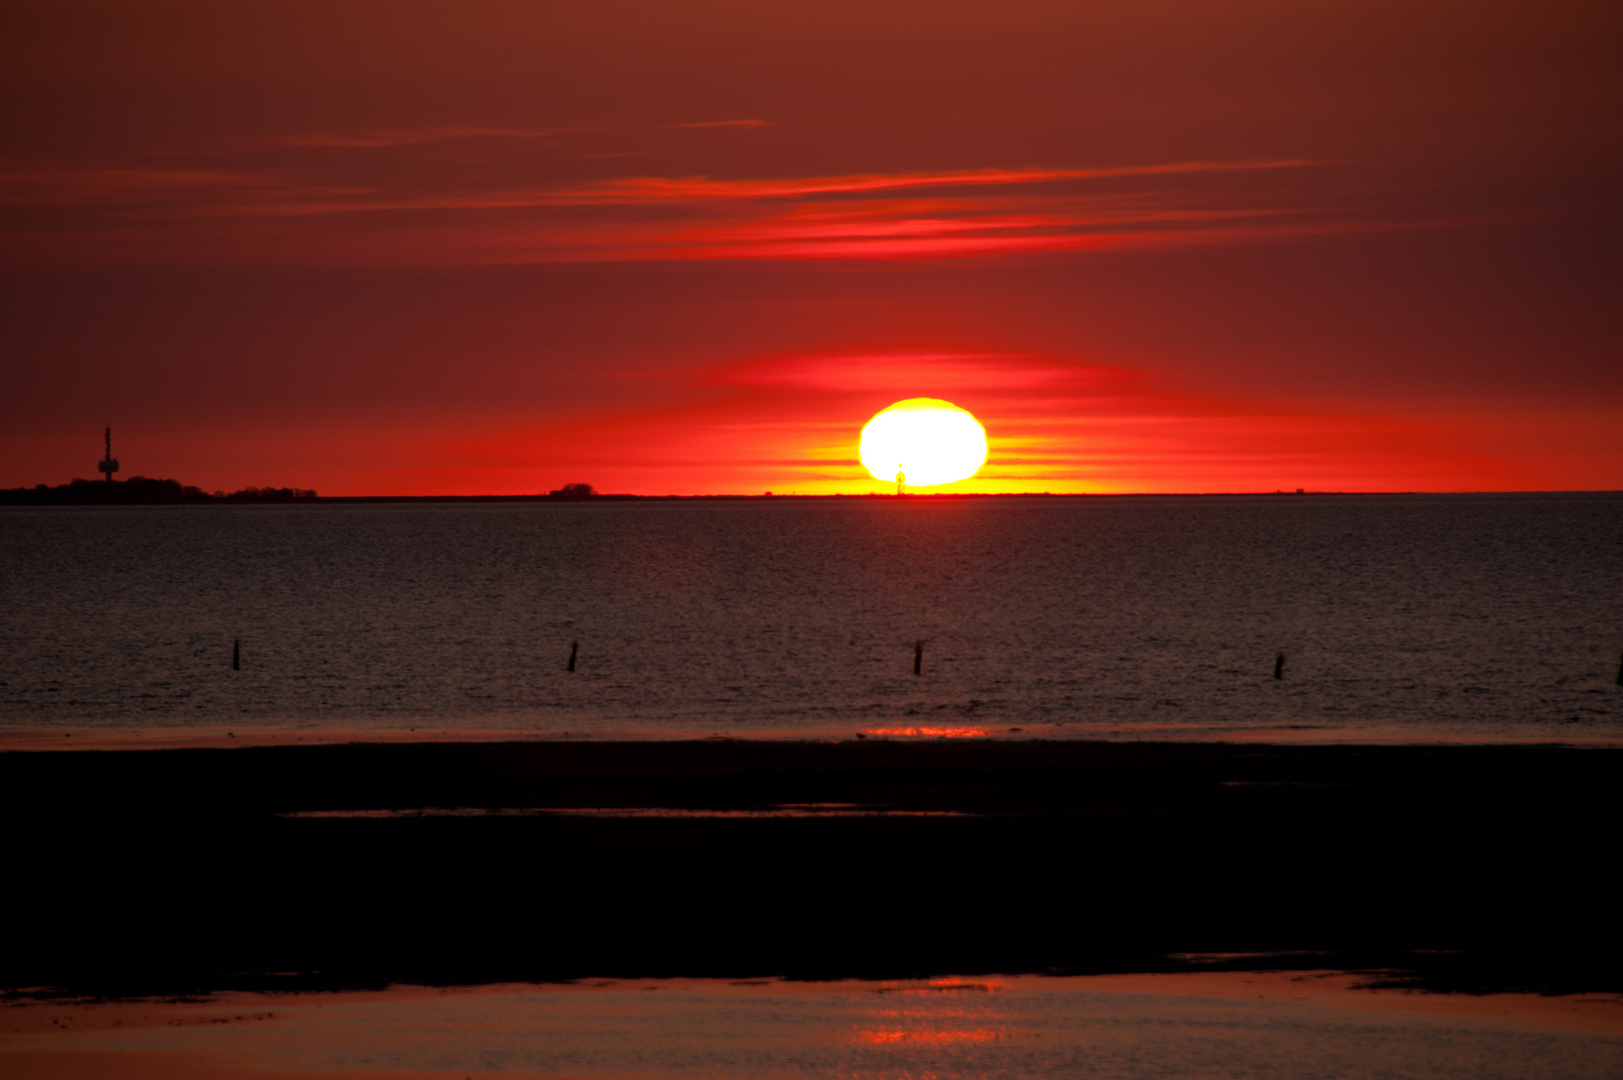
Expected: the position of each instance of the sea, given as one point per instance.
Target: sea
(1400, 618)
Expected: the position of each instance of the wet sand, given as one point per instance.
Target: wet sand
(1276, 1025)
(341, 867)
(235, 737)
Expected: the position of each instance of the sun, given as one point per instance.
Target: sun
(923, 442)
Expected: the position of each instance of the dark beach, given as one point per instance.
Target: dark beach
(1471, 868)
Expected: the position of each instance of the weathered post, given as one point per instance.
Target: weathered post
(918, 656)
(1279, 666)
(574, 647)
(236, 654)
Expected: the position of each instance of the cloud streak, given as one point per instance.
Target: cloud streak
(650, 190)
(288, 216)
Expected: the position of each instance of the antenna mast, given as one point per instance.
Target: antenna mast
(109, 464)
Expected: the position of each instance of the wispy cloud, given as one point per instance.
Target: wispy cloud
(625, 191)
(286, 214)
(653, 189)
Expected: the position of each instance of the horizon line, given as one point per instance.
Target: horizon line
(938, 495)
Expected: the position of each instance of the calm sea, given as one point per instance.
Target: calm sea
(1457, 617)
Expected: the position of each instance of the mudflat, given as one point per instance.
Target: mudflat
(1473, 868)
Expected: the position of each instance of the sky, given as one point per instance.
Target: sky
(492, 246)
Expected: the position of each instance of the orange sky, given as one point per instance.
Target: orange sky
(488, 247)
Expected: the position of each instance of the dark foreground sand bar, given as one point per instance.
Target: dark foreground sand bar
(1456, 867)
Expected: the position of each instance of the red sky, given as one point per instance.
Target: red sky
(398, 247)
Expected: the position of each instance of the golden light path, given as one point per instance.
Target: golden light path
(923, 442)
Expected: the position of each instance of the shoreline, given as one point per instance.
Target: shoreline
(1598, 1013)
(1233, 1023)
(348, 866)
(68, 737)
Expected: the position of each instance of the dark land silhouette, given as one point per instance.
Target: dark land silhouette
(141, 490)
(137, 490)
(1470, 868)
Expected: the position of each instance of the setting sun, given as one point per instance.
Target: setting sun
(923, 442)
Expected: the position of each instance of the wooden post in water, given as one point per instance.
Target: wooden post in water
(1620, 671)
(918, 656)
(574, 647)
(1279, 666)
(236, 654)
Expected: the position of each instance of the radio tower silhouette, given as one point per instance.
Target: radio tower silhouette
(109, 464)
